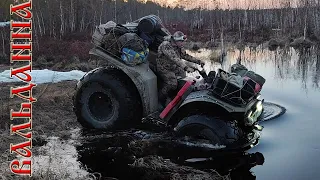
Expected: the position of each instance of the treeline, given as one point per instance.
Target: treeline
(62, 17)
(76, 19)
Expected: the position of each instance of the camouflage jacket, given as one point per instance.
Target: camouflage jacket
(170, 57)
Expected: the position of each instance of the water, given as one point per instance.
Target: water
(289, 143)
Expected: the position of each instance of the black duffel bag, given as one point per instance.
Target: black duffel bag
(244, 72)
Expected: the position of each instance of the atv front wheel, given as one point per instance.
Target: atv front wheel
(211, 129)
(104, 100)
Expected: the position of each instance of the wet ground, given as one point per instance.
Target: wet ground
(289, 143)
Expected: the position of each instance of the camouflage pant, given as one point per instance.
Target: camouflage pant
(170, 79)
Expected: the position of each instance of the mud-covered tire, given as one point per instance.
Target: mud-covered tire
(210, 128)
(106, 100)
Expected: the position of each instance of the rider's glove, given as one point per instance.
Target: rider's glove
(189, 69)
(201, 63)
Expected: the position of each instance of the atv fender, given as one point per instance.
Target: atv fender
(141, 75)
(204, 96)
(201, 97)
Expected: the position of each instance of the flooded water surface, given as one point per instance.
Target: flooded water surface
(290, 143)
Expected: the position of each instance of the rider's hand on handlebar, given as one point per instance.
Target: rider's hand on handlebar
(201, 63)
(189, 69)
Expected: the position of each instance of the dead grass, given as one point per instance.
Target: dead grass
(61, 64)
(52, 116)
(51, 113)
(155, 167)
(49, 162)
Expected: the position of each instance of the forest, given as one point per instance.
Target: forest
(62, 24)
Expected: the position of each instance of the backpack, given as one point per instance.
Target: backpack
(132, 41)
(133, 58)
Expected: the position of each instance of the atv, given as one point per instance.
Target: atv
(206, 107)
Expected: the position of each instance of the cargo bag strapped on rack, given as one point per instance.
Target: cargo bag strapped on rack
(106, 36)
(231, 92)
(246, 74)
(134, 49)
(151, 29)
(132, 41)
(100, 32)
(133, 58)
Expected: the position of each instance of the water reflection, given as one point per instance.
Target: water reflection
(316, 73)
(237, 166)
(285, 63)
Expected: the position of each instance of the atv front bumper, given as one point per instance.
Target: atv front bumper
(254, 114)
(246, 143)
(253, 141)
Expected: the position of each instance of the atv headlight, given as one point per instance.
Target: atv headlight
(249, 120)
(259, 106)
(253, 115)
(249, 114)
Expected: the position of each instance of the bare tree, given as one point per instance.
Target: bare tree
(72, 16)
(62, 23)
(3, 44)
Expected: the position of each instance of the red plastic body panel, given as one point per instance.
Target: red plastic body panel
(182, 94)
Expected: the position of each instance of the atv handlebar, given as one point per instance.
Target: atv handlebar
(201, 72)
(208, 78)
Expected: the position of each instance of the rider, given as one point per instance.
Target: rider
(170, 64)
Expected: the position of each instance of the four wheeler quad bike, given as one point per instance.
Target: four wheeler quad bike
(119, 96)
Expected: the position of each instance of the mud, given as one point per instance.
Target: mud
(158, 159)
(137, 154)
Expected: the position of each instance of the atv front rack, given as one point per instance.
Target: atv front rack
(235, 94)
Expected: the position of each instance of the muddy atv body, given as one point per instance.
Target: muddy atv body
(118, 96)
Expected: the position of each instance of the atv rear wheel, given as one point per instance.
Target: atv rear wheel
(211, 129)
(104, 100)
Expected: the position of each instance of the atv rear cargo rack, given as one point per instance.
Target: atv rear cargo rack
(107, 38)
(109, 41)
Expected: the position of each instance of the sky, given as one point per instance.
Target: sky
(226, 4)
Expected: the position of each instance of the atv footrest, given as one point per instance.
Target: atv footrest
(154, 119)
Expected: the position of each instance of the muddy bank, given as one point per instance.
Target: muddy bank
(145, 155)
(136, 155)
(52, 117)
(51, 113)
(271, 44)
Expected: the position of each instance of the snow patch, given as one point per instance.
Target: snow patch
(44, 76)
(4, 24)
(59, 158)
